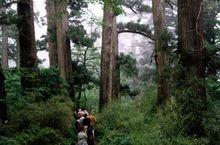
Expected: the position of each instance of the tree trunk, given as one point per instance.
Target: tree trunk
(192, 78)
(4, 47)
(109, 81)
(28, 56)
(3, 106)
(51, 32)
(161, 54)
(115, 63)
(18, 51)
(210, 12)
(63, 42)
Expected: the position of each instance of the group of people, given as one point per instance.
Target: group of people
(85, 125)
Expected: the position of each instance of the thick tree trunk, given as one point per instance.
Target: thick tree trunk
(63, 42)
(3, 106)
(110, 79)
(4, 47)
(51, 32)
(161, 54)
(191, 49)
(28, 56)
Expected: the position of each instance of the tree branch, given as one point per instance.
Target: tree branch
(137, 32)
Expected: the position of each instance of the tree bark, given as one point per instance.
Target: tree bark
(51, 32)
(191, 49)
(3, 105)
(63, 42)
(115, 62)
(28, 56)
(161, 54)
(4, 47)
(18, 60)
(4, 60)
(110, 75)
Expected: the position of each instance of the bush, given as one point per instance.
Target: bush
(50, 84)
(142, 123)
(55, 113)
(38, 136)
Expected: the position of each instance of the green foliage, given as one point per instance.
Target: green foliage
(76, 7)
(128, 71)
(128, 65)
(115, 5)
(141, 29)
(7, 141)
(213, 86)
(167, 37)
(13, 89)
(55, 113)
(79, 36)
(137, 6)
(50, 83)
(9, 17)
(142, 123)
(40, 116)
(117, 124)
(37, 136)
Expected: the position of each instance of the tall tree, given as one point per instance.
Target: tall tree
(4, 47)
(63, 42)
(4, 60)
(17, 51)
(191, 80)
(115, 62)
(51, 32)
(28, 56)
(161, 54)
(210, 12)
(109, 73)
(3, 106)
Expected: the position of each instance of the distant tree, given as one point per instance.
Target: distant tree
(51, 32)
(4, 59)
(161, 52)
(18, 59)
(210, 12)
(191, 81)
(4, 47)
(28, 56)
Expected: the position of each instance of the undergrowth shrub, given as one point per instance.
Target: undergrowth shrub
(40, 115)
(55, 113)
(142, 123)
(38, 136)
(50, 84)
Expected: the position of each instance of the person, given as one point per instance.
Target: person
(90, 137)
(93, 120)
(91, 128)
(79, 122)
(82, 137)
(86, 124)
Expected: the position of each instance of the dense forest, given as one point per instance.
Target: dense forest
(143, 72)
